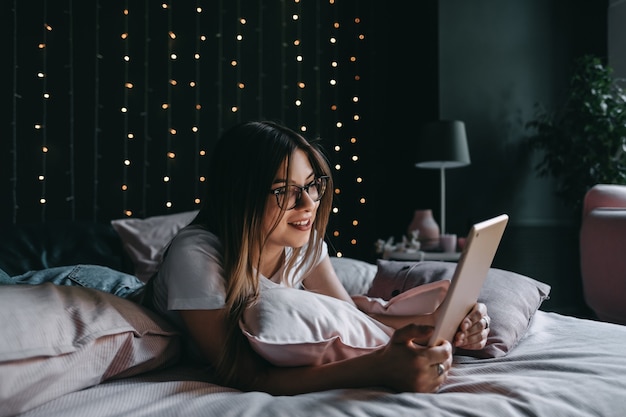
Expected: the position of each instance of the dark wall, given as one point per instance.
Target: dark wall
(498, 59)
(405, 70)
(617, 38)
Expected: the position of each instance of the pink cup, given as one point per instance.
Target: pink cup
(448, 243)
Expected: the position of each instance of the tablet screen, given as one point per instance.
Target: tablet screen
(469, 276)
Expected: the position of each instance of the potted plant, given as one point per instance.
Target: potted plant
(584, 143)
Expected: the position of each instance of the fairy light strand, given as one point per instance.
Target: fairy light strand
(125, 110)
(353, 144)
(335, 108)
(44, 125)
(197, 128)
(170, 78)
(239, 37)
(297, 17)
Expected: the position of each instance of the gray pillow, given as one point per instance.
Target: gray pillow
(355, 275)
(511, 298)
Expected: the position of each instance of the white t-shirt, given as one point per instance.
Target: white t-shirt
(191, 276)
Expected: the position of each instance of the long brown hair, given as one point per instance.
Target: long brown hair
(243, 166)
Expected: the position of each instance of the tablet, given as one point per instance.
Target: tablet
(470, 273)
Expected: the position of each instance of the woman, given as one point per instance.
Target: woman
(262, 224)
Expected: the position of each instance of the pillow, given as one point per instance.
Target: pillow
(292, 327)
(145, 239)
(355, 275)
(423, 299)
(511, 298)
(60, 339)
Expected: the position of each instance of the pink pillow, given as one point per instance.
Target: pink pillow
(423, 299)
(60, 339)
(145, 239)
(292, 327)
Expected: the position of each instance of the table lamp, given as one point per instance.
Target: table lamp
(443, 144)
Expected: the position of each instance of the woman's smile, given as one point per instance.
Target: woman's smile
(303, 225)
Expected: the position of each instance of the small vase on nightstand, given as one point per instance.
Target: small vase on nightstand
(425, 223)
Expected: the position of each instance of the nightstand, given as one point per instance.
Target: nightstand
(423, 256)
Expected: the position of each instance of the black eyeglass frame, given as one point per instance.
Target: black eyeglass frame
(324, 182)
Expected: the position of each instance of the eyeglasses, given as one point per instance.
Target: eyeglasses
(288, 196)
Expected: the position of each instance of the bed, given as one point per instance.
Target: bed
(74, 351)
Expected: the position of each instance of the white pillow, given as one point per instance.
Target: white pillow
(145, 239)
(292, 327)
(60, 339)
(355, 275)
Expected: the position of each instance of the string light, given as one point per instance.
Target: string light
(356, 117)
(124, 110)
(301, 67)
(334, 107)
(170, 85)
(241, 23)
(298, 58)
(42, 127)
(348, 157)
(199, 153)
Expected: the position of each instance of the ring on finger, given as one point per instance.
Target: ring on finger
(486, 321)
(440, 369)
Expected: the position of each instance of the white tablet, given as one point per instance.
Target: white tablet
(470, 273)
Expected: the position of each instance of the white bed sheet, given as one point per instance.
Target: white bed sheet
(564, 366)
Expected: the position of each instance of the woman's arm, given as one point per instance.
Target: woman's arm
(402, 365)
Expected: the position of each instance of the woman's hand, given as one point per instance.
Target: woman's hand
(407, 365)
(474, 329)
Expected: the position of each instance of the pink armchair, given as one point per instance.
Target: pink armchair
(603, 251)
